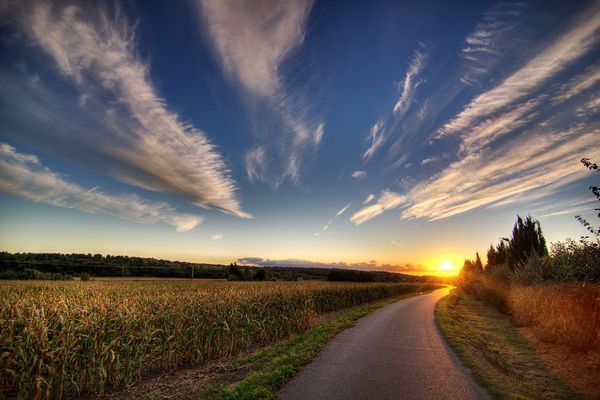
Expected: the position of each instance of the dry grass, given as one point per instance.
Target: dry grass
(489, 344)
(72, 337)
(568, 314)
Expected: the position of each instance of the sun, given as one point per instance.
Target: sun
(447, 267)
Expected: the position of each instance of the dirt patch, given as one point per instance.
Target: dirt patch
(581, 370)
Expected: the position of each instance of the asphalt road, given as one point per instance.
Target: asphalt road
(394, 353)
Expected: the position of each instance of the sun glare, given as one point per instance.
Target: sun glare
(447, 268)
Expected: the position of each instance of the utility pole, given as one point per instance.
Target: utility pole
(192, 272)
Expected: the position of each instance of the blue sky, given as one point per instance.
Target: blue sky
(387, 135)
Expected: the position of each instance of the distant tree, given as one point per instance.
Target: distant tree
(594, 230)
(260, 275)
(234, 272)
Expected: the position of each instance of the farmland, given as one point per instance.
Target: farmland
(65, 338)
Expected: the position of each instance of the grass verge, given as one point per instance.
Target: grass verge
(490, 345)
(266, 371)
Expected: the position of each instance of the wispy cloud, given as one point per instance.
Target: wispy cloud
(376, 137)
(482, 179)
(146, 144)
(216, 236)
(387, 200)
(25, 176)
(325, 227)
(409, 86)
(359, 175)
(343, 210)
(337, 215)
(566, 49)
(251, 40)
(369, 199)
(490, 41)
(379, 131)
(578, 84)
(513, 142)
(256, 163)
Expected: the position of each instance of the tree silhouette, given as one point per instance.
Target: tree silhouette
(526, 240)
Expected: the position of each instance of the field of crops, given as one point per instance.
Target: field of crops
(61, 338)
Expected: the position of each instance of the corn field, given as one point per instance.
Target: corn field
(67, 338)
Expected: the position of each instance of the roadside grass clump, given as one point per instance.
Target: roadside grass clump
(76, 337)
(568, 314)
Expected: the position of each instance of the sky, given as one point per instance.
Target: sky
(372, 135)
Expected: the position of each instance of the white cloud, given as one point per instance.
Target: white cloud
(387, 200)
(513, 143)
(23, 175)
(569, 47)
(256, 161)
(251, 41)
(579, 84)
(378, 134)
(483, 178)
(490, 40)
(149, 146)
(376, 137)
(216, 236)
(396, 243)
(359, 175)
(343, 210)
(430, 160)
(409, 86)
(369, 199)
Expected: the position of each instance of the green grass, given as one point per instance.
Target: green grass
(490, 345)
(266, 371)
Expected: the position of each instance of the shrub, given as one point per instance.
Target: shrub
(533, 271)
(84, 276)
(576, 261)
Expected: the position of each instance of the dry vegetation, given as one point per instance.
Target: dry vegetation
(62, 338)
(490, 345)
(567, 314)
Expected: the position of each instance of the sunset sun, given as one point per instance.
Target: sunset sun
(447, 268)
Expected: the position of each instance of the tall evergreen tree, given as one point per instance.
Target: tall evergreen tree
(527, 239)
(478, 266)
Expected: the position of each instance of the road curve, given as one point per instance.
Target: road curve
(394, 353)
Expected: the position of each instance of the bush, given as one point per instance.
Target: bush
(576, 261)
(533, 271)
(84, 276)
(33, 274)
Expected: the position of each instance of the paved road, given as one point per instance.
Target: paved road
(393, 353)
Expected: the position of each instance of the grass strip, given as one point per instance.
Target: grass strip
(490, 345)
(269, 369)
